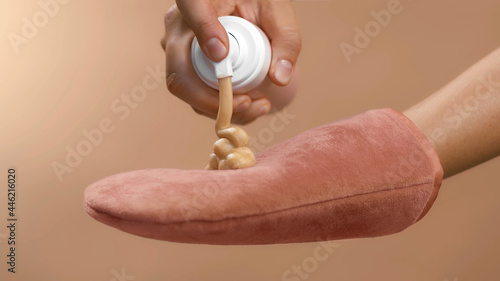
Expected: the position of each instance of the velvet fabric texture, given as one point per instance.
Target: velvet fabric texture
(369, 175)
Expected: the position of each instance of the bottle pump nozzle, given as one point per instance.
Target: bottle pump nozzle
(224, 68)
(247, 62)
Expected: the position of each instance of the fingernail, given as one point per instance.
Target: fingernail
(216, 49)
(283, 71)
(264, 110)
(242, 106)
(241, 103)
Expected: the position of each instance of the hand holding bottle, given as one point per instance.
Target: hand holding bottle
(199, 17)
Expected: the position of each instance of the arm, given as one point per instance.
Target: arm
(373, 174)
(462, 120)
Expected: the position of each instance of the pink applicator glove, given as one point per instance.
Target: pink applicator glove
(369, 175)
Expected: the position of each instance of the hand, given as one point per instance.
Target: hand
(199, 17)
(369, 175)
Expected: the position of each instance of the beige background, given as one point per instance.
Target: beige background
(66, 77)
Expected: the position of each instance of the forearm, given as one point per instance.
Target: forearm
(462, 120)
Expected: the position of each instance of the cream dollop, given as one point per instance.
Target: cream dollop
(230, 151)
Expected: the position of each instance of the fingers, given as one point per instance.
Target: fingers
(278, 21)
(182, 80)
(202, 17)
(171, 16)
(258, 108)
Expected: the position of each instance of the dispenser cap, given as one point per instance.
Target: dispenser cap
(249, 55)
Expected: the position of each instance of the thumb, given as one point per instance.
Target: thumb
(279, 23)
(211, 35)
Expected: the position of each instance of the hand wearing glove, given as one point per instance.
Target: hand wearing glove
(369, 175)
(373, 174)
